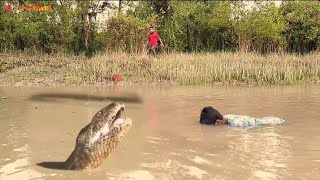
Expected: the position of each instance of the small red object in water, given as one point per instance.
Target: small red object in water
(8, 7)
(116, 77)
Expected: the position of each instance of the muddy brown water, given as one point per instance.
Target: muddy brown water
(166, 141)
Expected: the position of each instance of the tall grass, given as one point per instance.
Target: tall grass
(184, 69)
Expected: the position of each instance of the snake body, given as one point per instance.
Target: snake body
(99, 138)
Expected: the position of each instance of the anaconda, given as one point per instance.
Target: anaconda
(99, 138)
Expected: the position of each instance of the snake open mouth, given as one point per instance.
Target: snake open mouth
(116, 119)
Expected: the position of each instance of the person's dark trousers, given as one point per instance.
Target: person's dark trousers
(153, 50)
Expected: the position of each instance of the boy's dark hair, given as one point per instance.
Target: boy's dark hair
(209, 115)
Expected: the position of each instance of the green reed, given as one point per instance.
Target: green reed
(184, 69)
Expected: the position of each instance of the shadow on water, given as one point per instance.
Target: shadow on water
(52, 165)
(47, 97)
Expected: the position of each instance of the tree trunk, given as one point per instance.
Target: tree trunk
(120, 6)
(86, 31)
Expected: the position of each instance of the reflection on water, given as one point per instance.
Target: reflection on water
(170, 162)
(166, 140)
(266, 152)
(15, 154)
(20, 168)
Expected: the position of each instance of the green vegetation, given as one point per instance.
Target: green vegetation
(184, 69)
(219, 41)
(194, 26)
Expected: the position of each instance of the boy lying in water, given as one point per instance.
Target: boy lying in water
(209, 115)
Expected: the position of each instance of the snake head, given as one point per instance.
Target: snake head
(99, 138)
(105, 124)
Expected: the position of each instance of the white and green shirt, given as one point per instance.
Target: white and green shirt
(247, 121)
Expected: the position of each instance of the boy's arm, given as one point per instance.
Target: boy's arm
(161, 41)
(146, 43)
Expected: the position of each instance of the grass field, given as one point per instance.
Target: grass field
(183, 69)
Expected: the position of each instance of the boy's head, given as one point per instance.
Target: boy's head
(151, 29)
(209, 115)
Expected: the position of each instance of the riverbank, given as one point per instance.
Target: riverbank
(22, 69)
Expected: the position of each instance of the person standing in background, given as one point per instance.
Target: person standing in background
(153, 41)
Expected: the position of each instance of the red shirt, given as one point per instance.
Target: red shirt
(153, 39)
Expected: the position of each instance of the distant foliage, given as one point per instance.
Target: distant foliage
(199, 27)
(36, 30)
(261, 29)
(125, 33)
(188, 26)
(303, 26)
